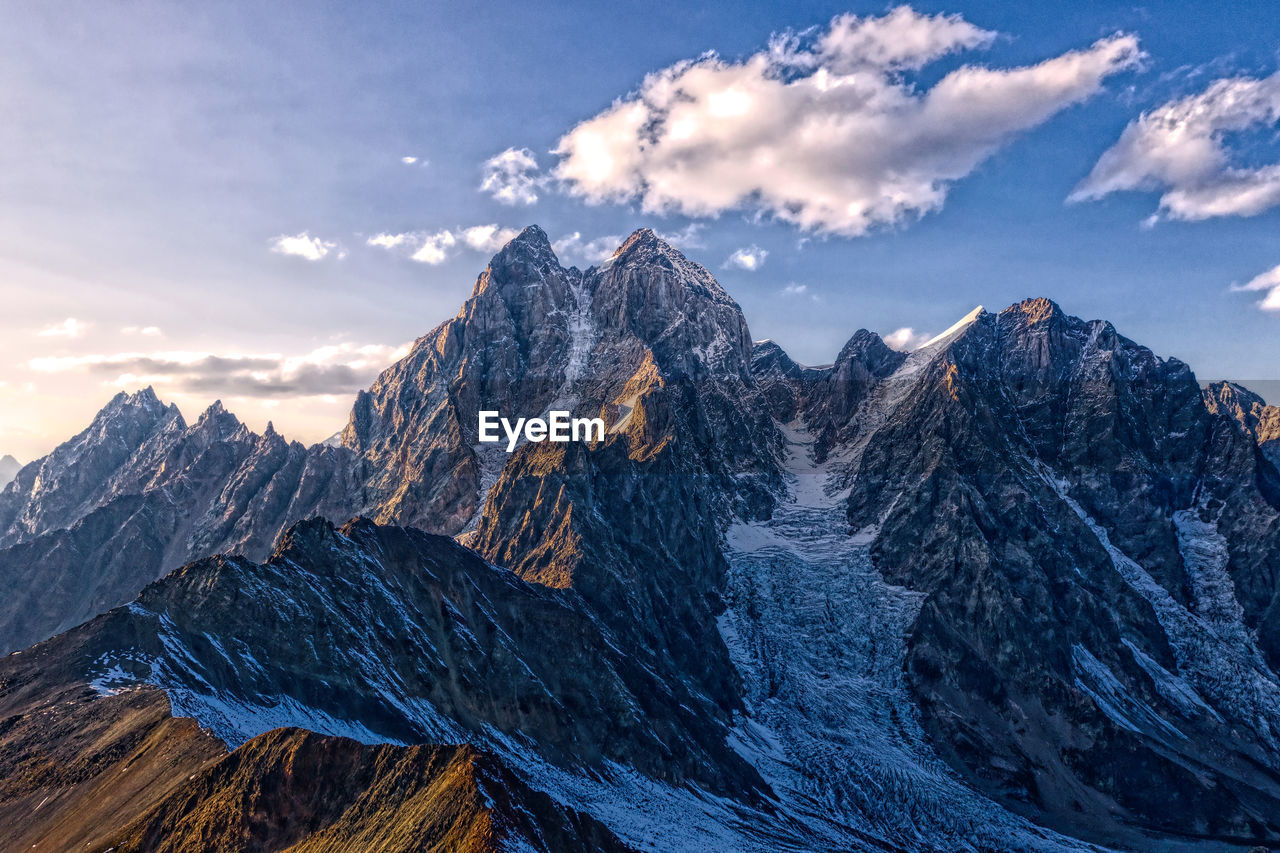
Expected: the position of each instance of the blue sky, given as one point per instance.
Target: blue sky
(154, 153)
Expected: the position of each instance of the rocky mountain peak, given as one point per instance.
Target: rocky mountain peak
(869, 349)
(1258, 420)
(645, 249)
(676, 307)
(1036, 310)
(216, 421)
(527, 258)
(139, 405)
(642, 240)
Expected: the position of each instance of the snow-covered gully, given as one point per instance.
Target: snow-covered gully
(819, 640)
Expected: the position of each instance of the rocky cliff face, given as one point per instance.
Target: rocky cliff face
(1016, 590)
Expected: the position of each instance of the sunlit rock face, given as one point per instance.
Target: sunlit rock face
(1018, 589)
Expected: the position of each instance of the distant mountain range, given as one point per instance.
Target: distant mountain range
(1266, 390)
(1016, 590)
(9, 468)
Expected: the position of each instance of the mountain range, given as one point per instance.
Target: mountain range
(1018, 589)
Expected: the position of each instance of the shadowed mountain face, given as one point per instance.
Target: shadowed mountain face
(1016, 590)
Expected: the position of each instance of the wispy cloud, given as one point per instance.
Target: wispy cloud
(825, 130)
(1268, 281)
(750, 258)
(305, 246)
(1180, 149)
(512, 177)
(144, 331)
(337, 369)
(794, 289)
(906, 339)
(688, 237)
(437, 247)
(68, 328)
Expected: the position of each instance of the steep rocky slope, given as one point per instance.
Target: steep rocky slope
(85, 771)
(1016, 590)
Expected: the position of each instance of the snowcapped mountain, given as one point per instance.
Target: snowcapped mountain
(1016, 590)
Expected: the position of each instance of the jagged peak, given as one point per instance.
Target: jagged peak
(1037, 309)
(869, 349)
(646, 248)
(1226, 389)
(643, 238)
(216, 417)
(270, 436)
(768, 350)
(144, 398)
(528, 253)
(531, 244)
(958, 328)
(862, 341)
(532, 234)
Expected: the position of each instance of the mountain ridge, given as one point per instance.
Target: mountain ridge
(1023, 581)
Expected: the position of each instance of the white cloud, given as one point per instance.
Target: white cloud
(688, 237)
(511, 177)
(574, 248)
(436, 248)
(388, 241)
(408, 161)
(68, 328)
(750, 258)
(901, 39)
(1180, 150)
(145, 331)
(906, 339)
(487, 238)
(335, 369)
(304, 246)
(1270, 282)
(824, 130)
(797, 290)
